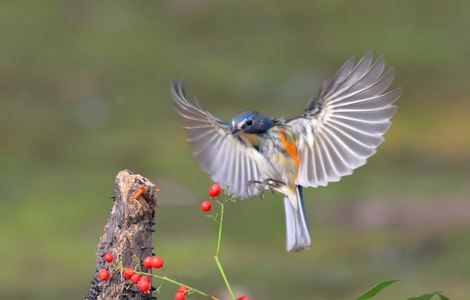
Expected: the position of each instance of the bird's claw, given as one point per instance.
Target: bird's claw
(268, 183)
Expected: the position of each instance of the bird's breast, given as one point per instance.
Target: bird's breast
(280, 148)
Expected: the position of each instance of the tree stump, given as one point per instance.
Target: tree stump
(127, 235)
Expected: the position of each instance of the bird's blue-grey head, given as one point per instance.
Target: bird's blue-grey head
(251, 121)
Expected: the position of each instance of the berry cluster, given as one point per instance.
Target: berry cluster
(144, 283)
(103, 274)
(142, 280)
(181, 293)
(153, 262)
(214, 191)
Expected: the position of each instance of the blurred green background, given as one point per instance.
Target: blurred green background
(84, 93)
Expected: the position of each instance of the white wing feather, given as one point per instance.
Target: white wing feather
(345, 123)
(225, 157)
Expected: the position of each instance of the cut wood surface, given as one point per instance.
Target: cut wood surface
(127, 235)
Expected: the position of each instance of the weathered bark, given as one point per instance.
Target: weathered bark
(127, 235)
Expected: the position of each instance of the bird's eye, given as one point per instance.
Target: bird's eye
(249, 123)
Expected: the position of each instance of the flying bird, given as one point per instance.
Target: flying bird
(340, 128)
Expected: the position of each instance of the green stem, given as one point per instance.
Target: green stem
(216, 256)
(221, 270)
(166, 278)
(219, 238)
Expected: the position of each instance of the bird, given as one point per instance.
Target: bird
(339, 129)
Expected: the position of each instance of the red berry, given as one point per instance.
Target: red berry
(183, 289)
(127, 273)
(135, 278)
(143, 285)
(244, 297)
(148, 262)
(205, 206)
(179, 296)
(108, 257)
(103, 275)
(145, 278)
(214, 190)
(157, 262)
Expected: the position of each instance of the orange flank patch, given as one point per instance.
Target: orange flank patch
(290, 147)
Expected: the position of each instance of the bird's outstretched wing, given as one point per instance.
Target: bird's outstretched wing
(344, 124)
(225, 157)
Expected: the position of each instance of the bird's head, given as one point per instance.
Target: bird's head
(251, 122)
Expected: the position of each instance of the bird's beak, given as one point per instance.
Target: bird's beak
(235, 129)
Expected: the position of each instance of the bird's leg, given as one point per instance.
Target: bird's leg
(255, 182)
(268, 183)
(274, 183)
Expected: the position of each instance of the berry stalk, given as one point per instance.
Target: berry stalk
(190, 288)
(216, 256)
(176, 282)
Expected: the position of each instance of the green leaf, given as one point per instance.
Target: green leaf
(375, 290)
(429, 296)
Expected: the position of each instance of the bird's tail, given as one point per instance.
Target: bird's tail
(297, 233)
